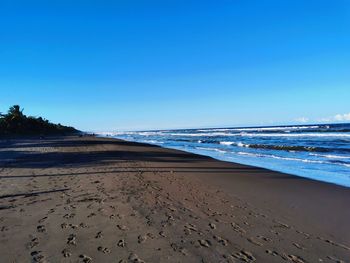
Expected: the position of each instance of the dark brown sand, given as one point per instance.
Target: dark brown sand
(104, 200)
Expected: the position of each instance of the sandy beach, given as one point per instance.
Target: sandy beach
(88, 199)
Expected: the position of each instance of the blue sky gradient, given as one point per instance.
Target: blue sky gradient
(108, 65)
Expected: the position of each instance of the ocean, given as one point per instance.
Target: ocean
(319, 152)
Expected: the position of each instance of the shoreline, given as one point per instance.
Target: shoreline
(225, 160)
(165, 205)
(317, 152)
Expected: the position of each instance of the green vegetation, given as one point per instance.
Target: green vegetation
(16, 123)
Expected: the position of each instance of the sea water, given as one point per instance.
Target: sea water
(319, 152)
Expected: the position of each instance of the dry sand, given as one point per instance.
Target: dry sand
(103, 200)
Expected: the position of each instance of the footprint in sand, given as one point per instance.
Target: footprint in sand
(122, 227)
(306, 235)
(85, 258)
(52, 210)
(37, 256)
(293, 258)
(220, 240)
(121, 243)
(42, 219)
(336, 259)
(254, 241)
(245, 256)
(134, 258)
(73, 226)
(64, 225)
(141, 239)
(189, 228)
(272, 253)
(83, 225)
(66, 253)
(69, 216)
(212, 225)
(99, 235)
(71, 240)
(150, 235)
(173, 209)
(298, 246)
(104, 250)
(237, 228)
(204, 243)
(4, 228)
(162, 233)
(334, 243)
(281, 225)
(178, 248)
(91, 215)
(41, 229)
(34, 242)
(264, 238)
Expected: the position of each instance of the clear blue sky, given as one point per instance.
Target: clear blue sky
(107, 65)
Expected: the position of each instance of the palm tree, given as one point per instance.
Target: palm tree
(15, 112)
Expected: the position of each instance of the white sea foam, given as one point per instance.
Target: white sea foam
(211, 149)
(213, 134)
(279, 157)
(214, 130)
(295, 134)
(153, 141)
(287, 128)
(245, 134)
(239, 144)
(227, 143)
(291, 159)
(330, 156)
(277, 128)
(116, 133)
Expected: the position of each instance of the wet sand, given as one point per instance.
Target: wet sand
(104, 200)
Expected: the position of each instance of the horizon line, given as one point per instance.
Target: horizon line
(231, 127)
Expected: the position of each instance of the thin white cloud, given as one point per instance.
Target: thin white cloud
(342, 117)
(337, 117)
(302, 119)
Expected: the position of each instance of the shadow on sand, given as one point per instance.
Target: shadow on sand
(33, 193)
(174, 161)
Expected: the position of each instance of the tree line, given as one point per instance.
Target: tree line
(15, 122)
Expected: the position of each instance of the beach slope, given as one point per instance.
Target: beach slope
(88, 199)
